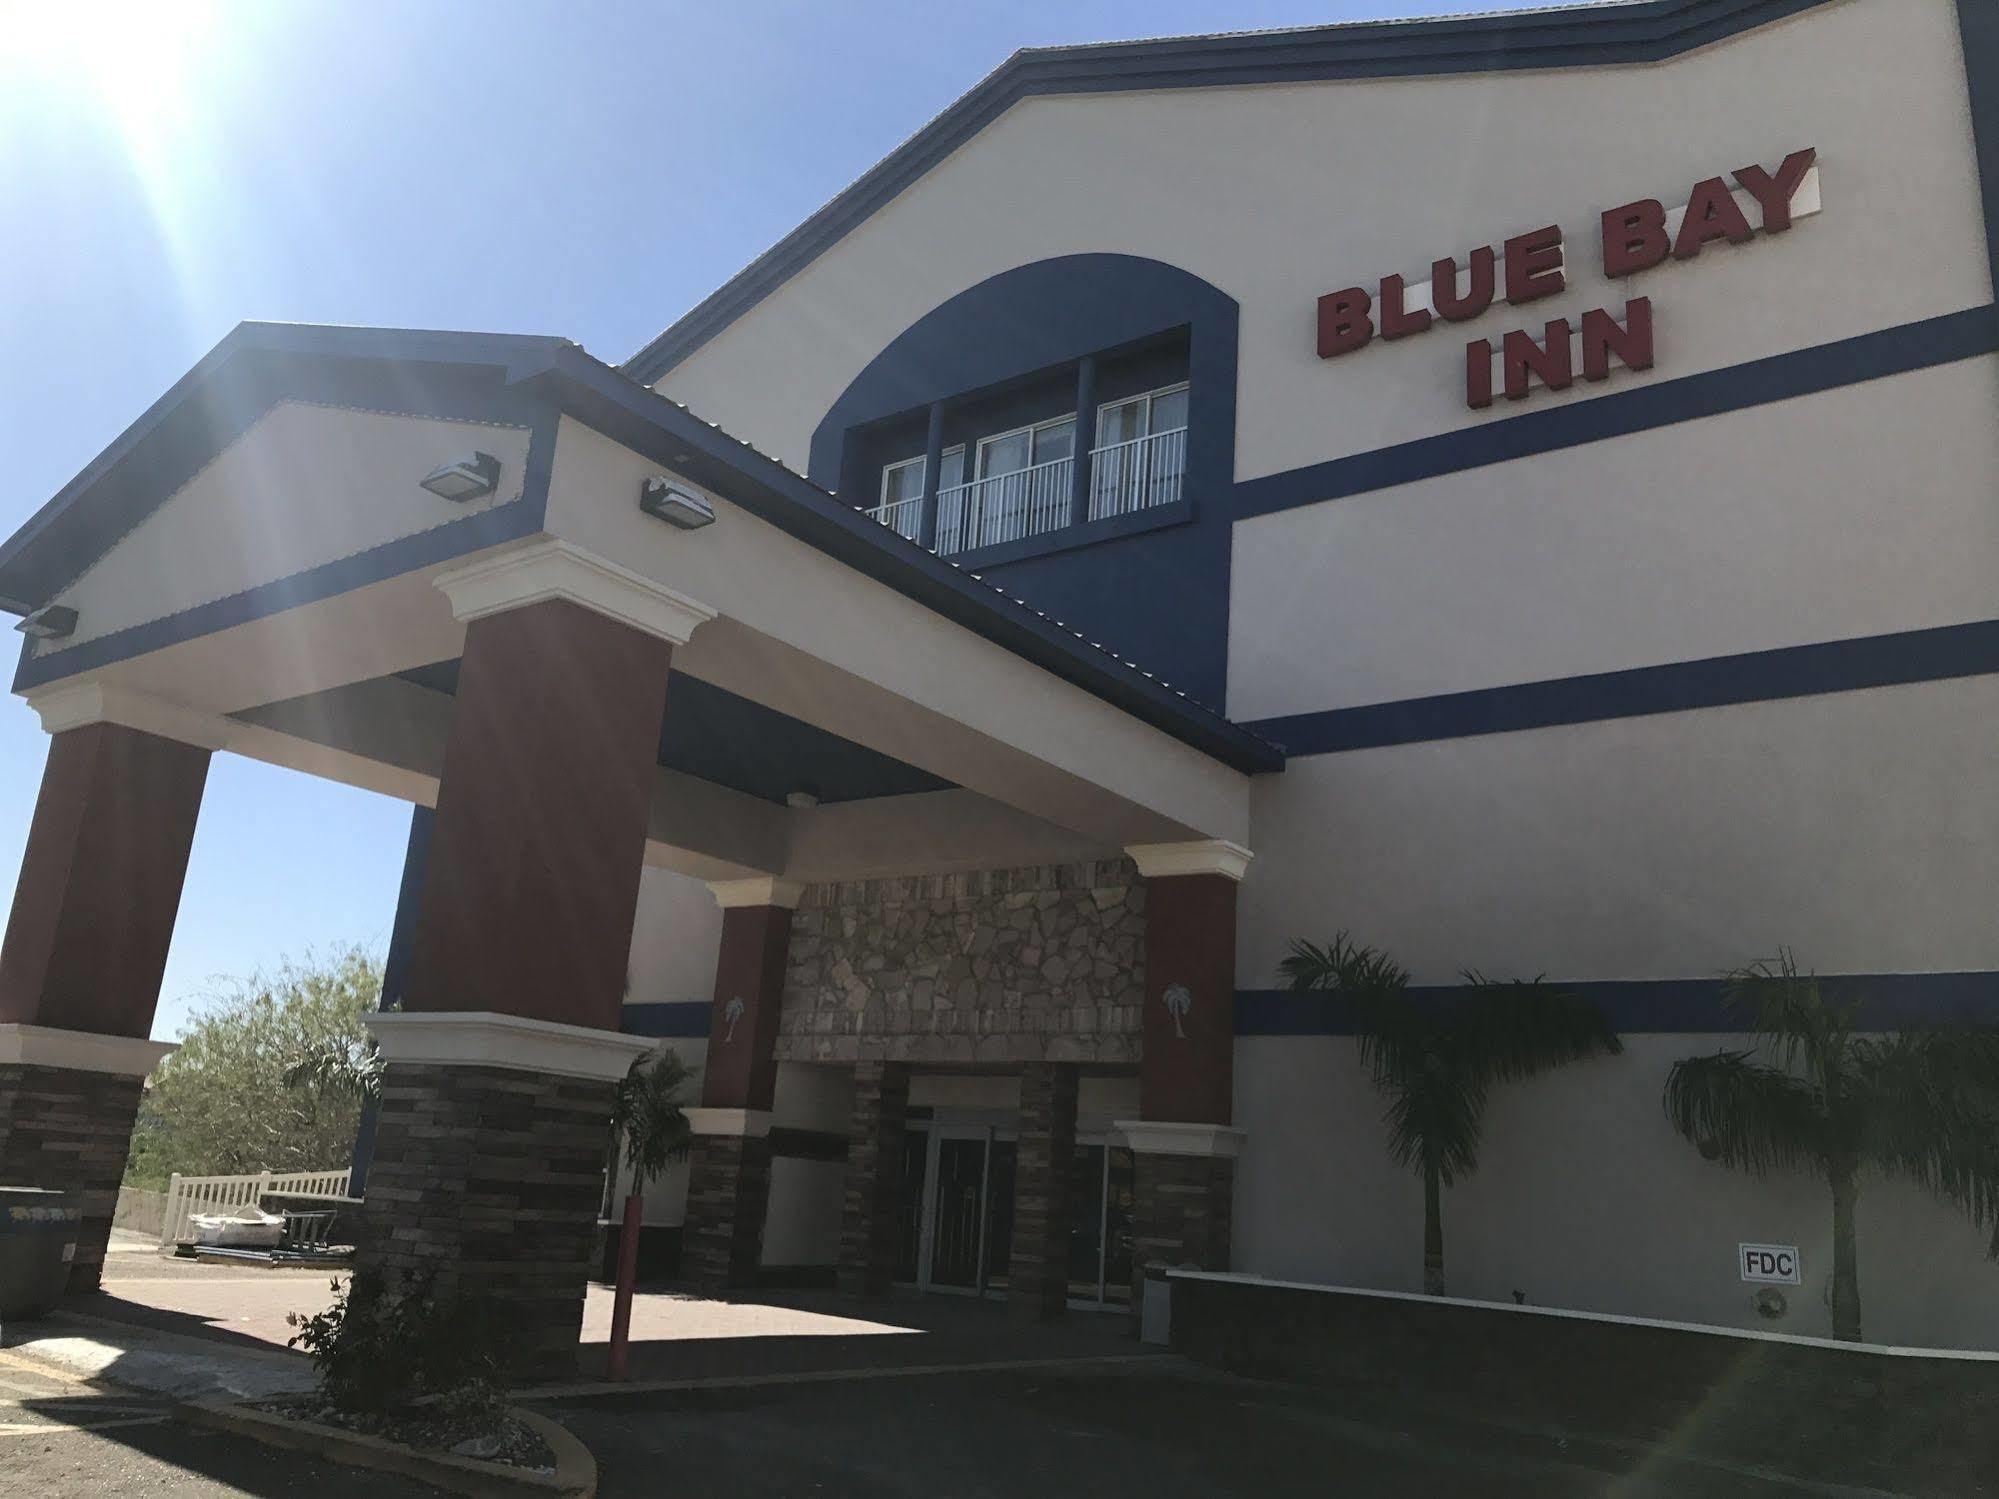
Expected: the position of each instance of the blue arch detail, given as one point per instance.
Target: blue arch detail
(1158, 598)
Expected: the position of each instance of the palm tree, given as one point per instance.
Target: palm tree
(1438, 1061)
(650, 1130)
(1812, 1095)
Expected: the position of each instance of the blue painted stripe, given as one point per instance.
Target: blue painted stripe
(1781, 377)
(1593, 36)
(508, 522)
(677, 1019)
(1947, 651)
(1663, 1006)
(1978, 32)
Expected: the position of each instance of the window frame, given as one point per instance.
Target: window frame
(1032, 430)
(1147, 396)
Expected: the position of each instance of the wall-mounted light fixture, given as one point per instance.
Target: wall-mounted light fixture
(50, 622)
(667, 501)
(469, 478)
(802, 798)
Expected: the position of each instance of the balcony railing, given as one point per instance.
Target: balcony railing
(1124, 477)
(1139, 474)
(1004, 507)
(904, 517)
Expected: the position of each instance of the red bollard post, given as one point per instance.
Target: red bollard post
(628, 1274)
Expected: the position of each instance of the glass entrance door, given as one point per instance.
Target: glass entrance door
(961, 1226)
(957, 1214)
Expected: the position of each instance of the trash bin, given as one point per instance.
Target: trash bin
(37, 1242)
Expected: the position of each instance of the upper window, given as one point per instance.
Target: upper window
(1140, 460)
(1154, 412)
(901, 482)
(1027, 447)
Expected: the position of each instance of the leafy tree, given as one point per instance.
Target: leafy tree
(226, 1102)
(1813, 1096)
(1438, 1061)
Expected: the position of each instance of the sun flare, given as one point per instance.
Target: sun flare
(129, 59)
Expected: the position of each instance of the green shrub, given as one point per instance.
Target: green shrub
(379, 1349)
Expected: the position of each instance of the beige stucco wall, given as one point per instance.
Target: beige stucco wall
(1860, 828)
(305, 485)
(1858, 511)
(1278, 193)
(1585, 1198)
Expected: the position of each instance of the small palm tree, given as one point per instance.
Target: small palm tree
(1438, 1061)
(1812, 1095)
(650, 1130)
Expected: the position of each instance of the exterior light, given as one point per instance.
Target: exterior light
(469, 478)
(50, 622)
(801, 798)
(674, 505)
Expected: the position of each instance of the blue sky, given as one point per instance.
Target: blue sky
(584, 169)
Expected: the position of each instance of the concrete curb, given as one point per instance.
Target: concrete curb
(575, 1475)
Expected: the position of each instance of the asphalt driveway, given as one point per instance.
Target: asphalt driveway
(1132, 1429)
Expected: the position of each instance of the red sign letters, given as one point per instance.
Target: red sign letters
(1634, 237)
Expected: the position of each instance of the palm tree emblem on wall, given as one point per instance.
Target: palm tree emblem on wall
(732, 1012)
(1178, 999)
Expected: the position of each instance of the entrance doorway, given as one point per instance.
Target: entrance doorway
(956, 1215)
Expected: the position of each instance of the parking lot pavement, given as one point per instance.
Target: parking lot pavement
(1153, 1429)
(60, 1436)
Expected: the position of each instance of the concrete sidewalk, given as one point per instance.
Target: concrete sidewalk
(190, 1328)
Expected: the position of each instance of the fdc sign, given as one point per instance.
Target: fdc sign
(1770, 1262)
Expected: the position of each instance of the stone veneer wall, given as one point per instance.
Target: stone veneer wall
(71, 1130)
(1009, 965)
(491, 1178)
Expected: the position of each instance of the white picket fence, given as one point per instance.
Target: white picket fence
(188, 1195)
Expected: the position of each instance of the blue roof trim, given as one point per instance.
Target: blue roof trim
(1577, 36)
(480, 376)
(1888, 1001)
(242, 377)
(613, 403)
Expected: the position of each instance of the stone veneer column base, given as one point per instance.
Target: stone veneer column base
(491, 1176)
(1038, 1270)
(868, 1240)
(728, 1192)
(70, 1129)
(1181, 1214)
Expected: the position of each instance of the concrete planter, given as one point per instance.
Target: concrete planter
(575, 1475)
(1803, 1405)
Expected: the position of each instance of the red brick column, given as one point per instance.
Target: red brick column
(490, 1149)
(1184, 1142)
(80, 969)
(728, 1182)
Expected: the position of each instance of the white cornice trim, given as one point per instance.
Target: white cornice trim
(556, 569)
(1157, 861)
(764, 890)
(1162, 1137)
(80, 1051)
(72, 705)
(482, 1038)
(747, 1124)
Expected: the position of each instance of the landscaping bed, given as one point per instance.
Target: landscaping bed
(516, 1453)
